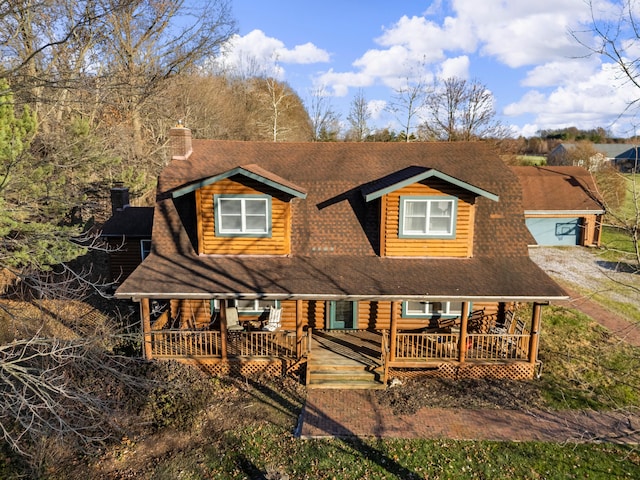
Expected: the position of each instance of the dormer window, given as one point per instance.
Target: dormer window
(243, 215)
(433, 217)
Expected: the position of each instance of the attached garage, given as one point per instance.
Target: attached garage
(561, 205)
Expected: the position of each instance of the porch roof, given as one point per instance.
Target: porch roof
(340, 277)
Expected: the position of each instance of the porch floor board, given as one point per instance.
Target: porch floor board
(345, 359)
(346, 348)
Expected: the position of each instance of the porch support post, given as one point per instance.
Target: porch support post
(393, 331)
(223, 329)
(299, 332)
(535, 333)
(462, 341)
(145, 313)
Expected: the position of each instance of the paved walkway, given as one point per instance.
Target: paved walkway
(356, 413)
(627, 331)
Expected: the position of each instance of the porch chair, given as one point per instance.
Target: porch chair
(273, 323)
(233, 324)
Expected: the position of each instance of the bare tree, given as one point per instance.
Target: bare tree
(615, 37)
(406, 104)
(150, 41)
(280, 115)
(324, 120)
(358, 118)
(459, 110)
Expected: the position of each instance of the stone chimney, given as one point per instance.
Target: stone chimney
(119, 198)
(180, 142)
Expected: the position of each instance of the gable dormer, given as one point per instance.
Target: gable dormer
(243, 211)
(425, 213)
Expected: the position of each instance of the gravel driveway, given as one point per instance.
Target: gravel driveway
(585, 268)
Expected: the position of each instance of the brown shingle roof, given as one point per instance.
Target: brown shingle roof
(335, 233)
(130, 222)
(568, 189)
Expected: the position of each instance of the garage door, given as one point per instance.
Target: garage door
(555, 231)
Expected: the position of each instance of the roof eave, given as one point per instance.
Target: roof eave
(137, 296)
(428, 174)
(564, 212)
(294, 192)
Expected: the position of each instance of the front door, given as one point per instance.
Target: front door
(343, 315)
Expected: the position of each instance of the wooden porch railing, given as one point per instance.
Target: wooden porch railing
(444, 346)
(498, 346)
(193, 343)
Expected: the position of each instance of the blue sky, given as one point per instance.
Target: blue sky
(523, 51)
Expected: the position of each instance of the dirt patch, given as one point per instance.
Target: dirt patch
(412, 395)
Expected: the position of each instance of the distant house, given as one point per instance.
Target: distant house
(622, 156)
(348, 261)
(127, 234)
(561, 205)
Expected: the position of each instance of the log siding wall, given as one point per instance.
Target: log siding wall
(461, 246)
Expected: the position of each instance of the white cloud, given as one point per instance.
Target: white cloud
(376, 108)
(560, 72)
(455, 67)
(262, 54)
(598, 100)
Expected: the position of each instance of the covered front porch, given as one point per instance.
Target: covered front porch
(474, 345)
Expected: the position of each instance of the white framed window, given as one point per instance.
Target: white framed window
(249, 306)
(248, 215)
(428, 217)
(431, 309)
(145, 248)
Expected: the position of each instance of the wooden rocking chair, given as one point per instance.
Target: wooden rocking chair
(233, 324)
(274, 322)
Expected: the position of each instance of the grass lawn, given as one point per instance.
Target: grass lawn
(617, 240)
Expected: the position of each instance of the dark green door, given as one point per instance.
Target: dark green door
(343, 315)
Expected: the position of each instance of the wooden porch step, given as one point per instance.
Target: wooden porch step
(343, 376)
(352, 385)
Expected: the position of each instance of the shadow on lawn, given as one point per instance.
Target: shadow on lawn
(317, 418)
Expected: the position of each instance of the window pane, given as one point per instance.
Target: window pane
(416, 225)
(435, 307)
(256, 224)
(415, 208)
(256, 207)
(231, 223)
(230, 206)
(416, 308)
(245, 304)
(439, 225)
(455, 307)
(441, 208)
(262, 304)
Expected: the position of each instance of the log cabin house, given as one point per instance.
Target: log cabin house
(380, 260)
